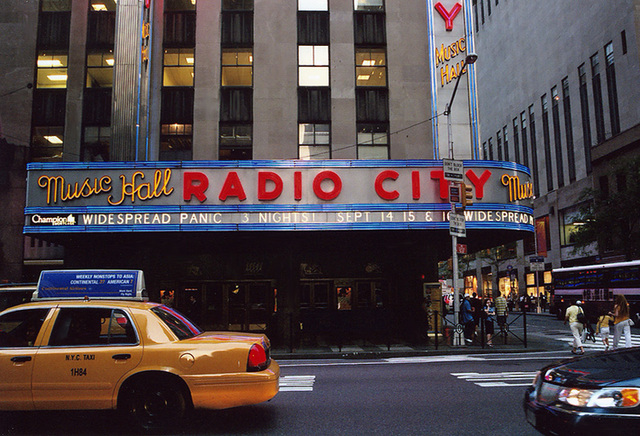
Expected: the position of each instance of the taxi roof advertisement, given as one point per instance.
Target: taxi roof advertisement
(127, 284)
(270, 195)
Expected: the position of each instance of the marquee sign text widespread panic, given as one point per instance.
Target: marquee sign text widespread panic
(281, 195)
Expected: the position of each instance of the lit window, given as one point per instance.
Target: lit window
(316, 55)
(313, 5)
(373, 141)
(52, 70)
(368, 5)
(313, 76)
(178, 67)
(103, 5)
(309, 134)
(371, 67)
(100, 70)
(237, 67)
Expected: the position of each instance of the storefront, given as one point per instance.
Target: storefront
(307, 251)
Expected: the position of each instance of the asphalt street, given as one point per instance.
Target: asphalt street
(412, 391)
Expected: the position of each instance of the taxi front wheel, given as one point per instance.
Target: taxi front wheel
(155, 402)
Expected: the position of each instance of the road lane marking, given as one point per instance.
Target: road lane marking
(499, 379)
(297, 383)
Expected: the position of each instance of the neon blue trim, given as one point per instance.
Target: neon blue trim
(214, 164)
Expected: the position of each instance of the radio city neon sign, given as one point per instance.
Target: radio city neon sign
(271, 185)
(327, 185)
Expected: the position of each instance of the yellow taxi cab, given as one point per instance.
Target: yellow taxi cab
(91, 340)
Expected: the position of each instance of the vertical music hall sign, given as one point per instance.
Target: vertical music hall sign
(450, 31)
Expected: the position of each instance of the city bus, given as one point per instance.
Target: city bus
(597, 286)
(12, 294)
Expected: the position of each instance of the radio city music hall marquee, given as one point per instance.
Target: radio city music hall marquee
(270, 195)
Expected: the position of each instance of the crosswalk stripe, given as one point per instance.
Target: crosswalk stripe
(297, 383)
(499, 379)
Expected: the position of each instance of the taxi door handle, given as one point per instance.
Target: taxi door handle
(124, 356)
(20, 359)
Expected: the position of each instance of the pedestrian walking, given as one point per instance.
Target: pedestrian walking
(603, 328)
(572, 315)
(489, 315)
(466, 318)
(502, 310)
(622, 323)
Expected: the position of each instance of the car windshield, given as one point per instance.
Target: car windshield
(178, 323)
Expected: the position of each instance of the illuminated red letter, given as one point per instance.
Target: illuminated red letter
(444, 184)
(415, 184)
(194, 183)
(232, 188)
(384, 194)
(448, 15)
(263, 178)
(478, 183)
(297, 185)
(317, 185)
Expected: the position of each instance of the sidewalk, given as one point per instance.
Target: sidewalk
(365, 350)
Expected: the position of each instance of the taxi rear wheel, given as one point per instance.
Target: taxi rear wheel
(155, 402)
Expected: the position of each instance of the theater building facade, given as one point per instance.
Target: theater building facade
(280, 162)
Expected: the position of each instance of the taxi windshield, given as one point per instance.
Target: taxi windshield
(178, 323)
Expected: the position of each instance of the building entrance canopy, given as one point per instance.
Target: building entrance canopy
(270, 195)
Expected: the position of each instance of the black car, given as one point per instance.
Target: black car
(596, 393)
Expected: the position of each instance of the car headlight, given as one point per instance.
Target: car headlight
(605, 398)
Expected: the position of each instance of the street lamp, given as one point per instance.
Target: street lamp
(470, 59)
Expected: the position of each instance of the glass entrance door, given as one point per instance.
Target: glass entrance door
(251, 305)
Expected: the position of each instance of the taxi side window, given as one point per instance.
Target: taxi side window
(20, 328)
(92, 326)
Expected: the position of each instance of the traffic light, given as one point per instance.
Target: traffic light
(466, 192)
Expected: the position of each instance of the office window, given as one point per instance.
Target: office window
(52, 69)
(534, 149)
(237, 5)
(47, 143)
(370, 28)
(100, 69)
(368, 5)
(176, 141)
(490, 146)
(237, 67)
(485, 150)
(499, 144)
(54, 23)
(475, 14)
(557, 138)
(179, 24)
(178, 67)
(547, 141)
(179, 5)
(101, 26)
(612, 91)
(313, 65)
(371, 67)
(568, 128)
(597, 98)
(96, 144)
(623, 41)
(516, 139)
(584, 110)
(313, 141)
(505, 137)
(313, 5)
(373, 141)
(525, 145)
(570, 221)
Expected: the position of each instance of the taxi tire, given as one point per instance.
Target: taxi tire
(155, 402)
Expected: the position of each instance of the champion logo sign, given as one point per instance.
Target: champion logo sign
(448, 16)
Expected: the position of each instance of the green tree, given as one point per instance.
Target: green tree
(612, 219)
